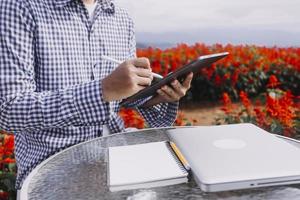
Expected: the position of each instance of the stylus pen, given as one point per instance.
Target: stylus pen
(119, 62)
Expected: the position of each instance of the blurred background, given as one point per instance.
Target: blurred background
(260, 78)
(168, 22)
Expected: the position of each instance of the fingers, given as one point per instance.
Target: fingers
(164, 95)
(144, 76)
(187, 82)
(170, 93)
(143, 81)
(141, 62)
(179, 89)
(144, 73)
(142, 68)
(139, 87)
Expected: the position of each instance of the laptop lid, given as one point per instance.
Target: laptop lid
(233, 153)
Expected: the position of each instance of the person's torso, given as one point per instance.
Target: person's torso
(68, 49)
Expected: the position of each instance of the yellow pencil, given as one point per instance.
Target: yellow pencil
(180, 156)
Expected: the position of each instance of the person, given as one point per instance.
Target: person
(56, 91)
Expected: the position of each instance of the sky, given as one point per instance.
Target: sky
(265, 22)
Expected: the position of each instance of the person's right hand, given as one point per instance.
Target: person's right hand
(127, 79)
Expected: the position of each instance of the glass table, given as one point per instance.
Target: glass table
(80, 172)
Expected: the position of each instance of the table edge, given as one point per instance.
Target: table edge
(24, 190)
(25, 186)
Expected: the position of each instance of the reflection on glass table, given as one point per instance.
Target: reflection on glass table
(80, 172)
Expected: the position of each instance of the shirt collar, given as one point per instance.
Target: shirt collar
(106, 5)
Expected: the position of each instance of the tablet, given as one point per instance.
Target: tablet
(179, 74)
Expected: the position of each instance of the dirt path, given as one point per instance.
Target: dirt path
(204, 113)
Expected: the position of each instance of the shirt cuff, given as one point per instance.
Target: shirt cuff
(90, 104)
(138, 102)
(160, 115)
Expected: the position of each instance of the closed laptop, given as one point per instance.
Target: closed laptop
(238, 156)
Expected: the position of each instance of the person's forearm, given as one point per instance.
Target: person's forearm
(79, 105)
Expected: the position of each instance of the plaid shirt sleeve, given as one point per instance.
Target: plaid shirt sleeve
(21, 106)
(160, 115)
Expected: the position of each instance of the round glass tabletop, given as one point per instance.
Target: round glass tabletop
(80, 172)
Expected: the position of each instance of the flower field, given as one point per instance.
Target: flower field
(247, 68)
(7, 166)
(265, 79)
(260, 85)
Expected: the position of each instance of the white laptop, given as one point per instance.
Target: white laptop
(230, 157)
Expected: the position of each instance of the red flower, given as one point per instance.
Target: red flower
(273, 81)
(9, 160)
(227, 105)
(4, 195)
(235, 77)
(260, 117)
(226, 99)
(218, 80)
(282, 108)
(226, 76)
(9, 142)
(180, 119)
(132, 118)
(245, 100)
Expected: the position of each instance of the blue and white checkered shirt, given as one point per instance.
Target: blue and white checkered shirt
(51, 72)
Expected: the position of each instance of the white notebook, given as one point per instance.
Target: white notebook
(143, 166)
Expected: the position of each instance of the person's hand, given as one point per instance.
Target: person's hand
(171, 93)
(127, 79)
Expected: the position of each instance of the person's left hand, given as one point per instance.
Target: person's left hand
(171, 93)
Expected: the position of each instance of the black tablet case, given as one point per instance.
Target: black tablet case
(179, 74)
